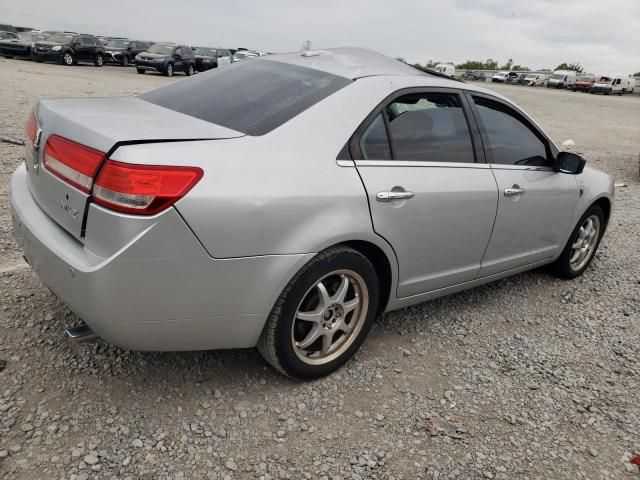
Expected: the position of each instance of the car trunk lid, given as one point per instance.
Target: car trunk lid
(101, 124)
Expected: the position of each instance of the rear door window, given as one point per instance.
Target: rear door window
(251, 97)
(374, 142)
(430, 127)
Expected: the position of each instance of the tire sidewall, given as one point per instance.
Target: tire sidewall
(564, 262)
(168, 71)
(64, 58)
(287, 357)
(99, 61)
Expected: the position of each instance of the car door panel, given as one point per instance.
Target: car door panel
(535, 202)
(530, 227)
(441, 230)
(441, 234)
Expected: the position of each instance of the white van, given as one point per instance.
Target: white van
(445, 68)
(608, 84)
(562, 79)
(534, 79)
(628, 84)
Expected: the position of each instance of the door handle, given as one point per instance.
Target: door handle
(515, 190)
(393, 195)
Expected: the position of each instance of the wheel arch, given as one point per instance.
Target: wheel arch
(605, 204)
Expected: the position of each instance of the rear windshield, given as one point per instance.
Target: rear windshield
(118, 43)
(60, 38)
(205, 52)
(249, 97)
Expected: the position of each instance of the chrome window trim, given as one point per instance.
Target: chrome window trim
(416, 163)
(500, 166)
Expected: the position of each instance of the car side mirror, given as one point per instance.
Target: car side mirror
(570, 163)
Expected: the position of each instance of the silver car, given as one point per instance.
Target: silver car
(287, 202)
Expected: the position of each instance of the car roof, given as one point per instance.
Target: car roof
(349, 62)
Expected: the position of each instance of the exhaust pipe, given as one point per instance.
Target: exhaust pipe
(81, 333)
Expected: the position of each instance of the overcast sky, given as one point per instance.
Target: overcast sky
(603, 35)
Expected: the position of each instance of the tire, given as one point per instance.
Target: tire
(563, 267)
(189, 70)
(168, 70)
(98, 61)
(125, 61)
(68, 59)
(284, 332)
(140, 71)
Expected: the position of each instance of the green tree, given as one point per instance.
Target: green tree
(471, 65)
(520, 68)
(507, 66)
(637, 74)
(570, 66)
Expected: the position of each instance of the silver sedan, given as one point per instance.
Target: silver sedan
(287, 202)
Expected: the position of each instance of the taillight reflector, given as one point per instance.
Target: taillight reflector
(143, 189)
(72, 162)
(32, 128)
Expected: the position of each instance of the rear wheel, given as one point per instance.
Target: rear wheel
(189, 70)
(98, 61)
(168, 71)
(125, 61)
(322, 316)
(68, 59)
(582, 245)
(140, 71)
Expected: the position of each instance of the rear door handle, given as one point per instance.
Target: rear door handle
(515, 190)
(392, 195)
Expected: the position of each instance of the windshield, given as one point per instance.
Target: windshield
(251, 97)
(605, 80)
(531, 77)
(118, 43)
(585, 78)
(205, 52)
(558, 76)
(31, 37)
(160, 48)
(60, 38)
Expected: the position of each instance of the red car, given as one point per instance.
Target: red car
(584, 83)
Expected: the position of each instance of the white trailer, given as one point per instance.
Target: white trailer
(445, 68)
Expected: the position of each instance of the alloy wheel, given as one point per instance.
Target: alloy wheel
(330, 317)
(68, 59)
(585, 243)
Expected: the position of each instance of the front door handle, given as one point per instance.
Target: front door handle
(515, 190)
(393, 195)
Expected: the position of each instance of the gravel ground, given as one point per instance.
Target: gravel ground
(528, 378)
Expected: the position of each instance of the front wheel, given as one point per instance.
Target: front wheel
(582, 245)
(67, 59)
(99, 60)
(125, 61)
(168, 71)
(189, 70)
(322, 316)
(140, 71)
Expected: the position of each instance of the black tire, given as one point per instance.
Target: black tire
(140, 71)
(168, 70)
(125, 61)
(68, 59)
(562, 266)
(189, 70)
(276, 342)
(98, 61)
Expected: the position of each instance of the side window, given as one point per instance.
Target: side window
(374, 142)
(429, 127)
(508, 140)
(177, 51)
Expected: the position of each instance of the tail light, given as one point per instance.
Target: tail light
(72, 162)
(142, 189)
(32, 129)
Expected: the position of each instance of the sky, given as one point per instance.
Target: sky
(604, 36)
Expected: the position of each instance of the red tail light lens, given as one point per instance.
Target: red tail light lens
(143, 189)
(32, 128)
(72, 162)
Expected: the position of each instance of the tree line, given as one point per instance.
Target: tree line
(491, 64)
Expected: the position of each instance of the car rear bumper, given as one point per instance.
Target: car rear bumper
(15, 51)
(160, 290)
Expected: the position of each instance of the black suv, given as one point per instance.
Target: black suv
(122, 51)
(69, 49)
(208, 58)
(20, 47)
(167, 58)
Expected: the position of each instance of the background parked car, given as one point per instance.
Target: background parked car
(20, 47)
(608, 84)
(447, 69)
(502, 77)
(207, 58)
(517, 79)
(167, 58)
(534, 79)
(8, 35)
(474, 75)
(244, 55)
(8, 28)
(562, 79)
(122, 51)
(69, 49)
(584, 82)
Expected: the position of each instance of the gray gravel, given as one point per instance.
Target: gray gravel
(528, 378)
